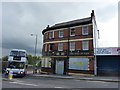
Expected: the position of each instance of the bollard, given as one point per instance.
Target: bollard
(10, 75)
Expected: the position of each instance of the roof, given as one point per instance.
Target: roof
(18, 50)
(69, 24)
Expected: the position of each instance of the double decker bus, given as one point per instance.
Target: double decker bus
(17, 62)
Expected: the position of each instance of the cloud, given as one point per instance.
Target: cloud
(109, 33)
(20, 19)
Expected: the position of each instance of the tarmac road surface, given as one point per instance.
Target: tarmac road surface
(41, 82)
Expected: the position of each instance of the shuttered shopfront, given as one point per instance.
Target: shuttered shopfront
(108, 62)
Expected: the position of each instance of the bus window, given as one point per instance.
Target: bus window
(21, 53)
(17, 65)
(17, 53)
(14, 53)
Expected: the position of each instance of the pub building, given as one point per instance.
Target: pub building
(68, 47)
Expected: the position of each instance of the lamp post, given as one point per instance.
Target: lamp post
(35, 49)
(35, 41)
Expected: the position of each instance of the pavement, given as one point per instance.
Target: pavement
(81, 77)
(75, 76)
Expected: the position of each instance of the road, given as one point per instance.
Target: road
(41, 82)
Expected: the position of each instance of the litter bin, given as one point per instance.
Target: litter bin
(10, 75)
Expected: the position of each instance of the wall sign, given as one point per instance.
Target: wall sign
(107, 51)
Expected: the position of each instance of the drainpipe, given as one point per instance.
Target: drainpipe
(67, 62)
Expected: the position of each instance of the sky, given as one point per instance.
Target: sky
(20, 19)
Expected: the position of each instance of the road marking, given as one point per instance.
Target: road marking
(58, 87)
(23, 83)
(98, 81)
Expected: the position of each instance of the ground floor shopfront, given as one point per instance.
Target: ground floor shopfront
(66, 65)
(108, 65)
(108, 61)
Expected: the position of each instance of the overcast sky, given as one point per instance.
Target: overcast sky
(20, 19)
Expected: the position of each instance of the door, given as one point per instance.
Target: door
(59, 67)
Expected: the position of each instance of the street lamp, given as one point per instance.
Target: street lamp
(35, 42)
(35, 49)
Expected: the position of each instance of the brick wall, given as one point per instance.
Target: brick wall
(78, 44)
(91, 64)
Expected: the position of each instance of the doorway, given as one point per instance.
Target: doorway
(59, 67)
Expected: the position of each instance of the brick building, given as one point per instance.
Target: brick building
(68, 47)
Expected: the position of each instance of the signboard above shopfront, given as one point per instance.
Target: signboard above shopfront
(107, 51)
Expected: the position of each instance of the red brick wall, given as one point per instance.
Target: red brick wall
(78, 45)
(65, 46)
(91, 64)
(65, 32)
(56, 34)
(91, 44)
(90, 29)
(56, 46)
(78, 31)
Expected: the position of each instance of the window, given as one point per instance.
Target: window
(46, 36)
(46, 62)
(72, 32)
(22, 53)
(60, 46)
(61, 33)
(51, 47)
(85, 45)
(72, 46)
(17, 53)
(43, 62)
(50, 35)
(85, 30)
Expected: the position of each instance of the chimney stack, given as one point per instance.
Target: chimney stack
(47, 27)
(92, 14)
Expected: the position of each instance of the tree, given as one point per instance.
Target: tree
(32, 60)
(5, 58)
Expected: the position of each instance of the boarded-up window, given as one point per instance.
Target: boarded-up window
(78, 63)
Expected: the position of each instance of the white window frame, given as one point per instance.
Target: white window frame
(85, 31)
(60, 46)
(85, 47)
(71, 30)
(60, 33)
(72, 46)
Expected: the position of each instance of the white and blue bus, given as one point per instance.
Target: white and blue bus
(17, 62)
